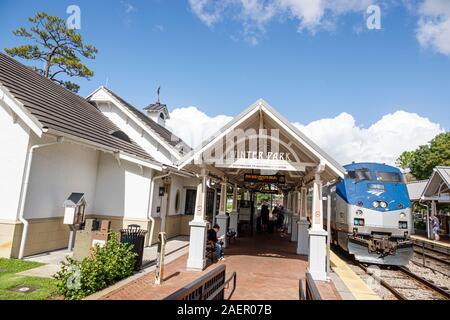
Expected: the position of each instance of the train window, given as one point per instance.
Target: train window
(360, 174)
(388, 176)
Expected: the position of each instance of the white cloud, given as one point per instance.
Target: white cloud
(254, 15)
(340, 136)
(194, 126)
(128, 7)
(382, 142)
(433, 29)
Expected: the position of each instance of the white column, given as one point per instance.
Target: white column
(303, 225)
(234, 216)
(289, 212)
(214, 207)
(317, 235)
(222, 218)
(197, 239)
(295, 217)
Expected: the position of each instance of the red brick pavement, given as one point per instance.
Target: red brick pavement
(267, 267)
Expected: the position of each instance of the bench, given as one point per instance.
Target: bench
(210, 250)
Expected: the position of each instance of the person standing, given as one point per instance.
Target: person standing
(435, 225)
(264, 216)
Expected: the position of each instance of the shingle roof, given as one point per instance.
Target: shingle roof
(59, 109)
(163, 132)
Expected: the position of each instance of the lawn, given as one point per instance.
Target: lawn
(9, 279)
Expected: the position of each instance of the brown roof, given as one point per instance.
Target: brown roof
(163, 132)
(59, 109)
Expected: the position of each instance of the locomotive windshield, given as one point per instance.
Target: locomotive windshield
(359, 174)
(388, 176)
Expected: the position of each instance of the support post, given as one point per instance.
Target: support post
(197, 239)
(234, 215)
(317, 235)
(295, 217)
(289, 212)
(329, 232)
(222, 218)
(303, 226)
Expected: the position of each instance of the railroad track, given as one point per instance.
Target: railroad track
(438, 255)
(405, 285)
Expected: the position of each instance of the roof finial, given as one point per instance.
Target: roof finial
(157, 92)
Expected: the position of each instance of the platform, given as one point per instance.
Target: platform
(444, 242)
(267, 268)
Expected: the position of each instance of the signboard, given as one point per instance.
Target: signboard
(268, 191)
(249, 177)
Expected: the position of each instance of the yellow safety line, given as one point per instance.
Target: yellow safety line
(353, 282)
(438, 243)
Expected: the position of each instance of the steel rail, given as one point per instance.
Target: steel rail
(394, 291)
(424, 281)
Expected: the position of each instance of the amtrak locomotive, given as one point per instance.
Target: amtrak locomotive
(371, 214)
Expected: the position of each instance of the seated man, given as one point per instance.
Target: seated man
(212, 236)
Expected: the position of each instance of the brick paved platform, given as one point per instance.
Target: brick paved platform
(267, 267)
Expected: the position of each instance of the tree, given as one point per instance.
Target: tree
(426, 157)
(59, 47)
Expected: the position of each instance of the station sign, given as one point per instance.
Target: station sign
(250, 177)
(269, 191)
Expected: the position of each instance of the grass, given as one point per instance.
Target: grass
(9, 279)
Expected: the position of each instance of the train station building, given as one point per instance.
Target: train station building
(130, 169)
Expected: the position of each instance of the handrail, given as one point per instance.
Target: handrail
(205, 287)
(222, 287)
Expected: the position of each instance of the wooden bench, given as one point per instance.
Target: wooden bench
(210, 250)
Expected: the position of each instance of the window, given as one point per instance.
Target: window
(359, 174)
(209, 203)
(177, 201)
(189, 208)
(161, 115)
(388, 176)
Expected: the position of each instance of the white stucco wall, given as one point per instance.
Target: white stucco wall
(14, 140)
(122, 190)
(178, 183)
(56, 172)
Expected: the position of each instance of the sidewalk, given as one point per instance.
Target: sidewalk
(267, 267)
(53, 259)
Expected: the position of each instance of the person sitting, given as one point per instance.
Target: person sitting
(217, 241)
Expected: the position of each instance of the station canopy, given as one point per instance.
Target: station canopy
(259, 147)
(438, 187)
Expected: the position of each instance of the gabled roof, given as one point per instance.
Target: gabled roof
(166, 135)
(51, 106)
(439, 179)
(415, 189)
(280, 120)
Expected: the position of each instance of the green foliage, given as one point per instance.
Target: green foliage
(57, 46)
(105, 266)
(426, 157)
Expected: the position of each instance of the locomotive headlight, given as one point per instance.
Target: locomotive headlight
(375, 204)
(383, 204)
(402, 215)
(359, 212)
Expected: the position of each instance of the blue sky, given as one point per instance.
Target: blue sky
(306, 75)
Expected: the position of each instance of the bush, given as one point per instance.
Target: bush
(105, 266)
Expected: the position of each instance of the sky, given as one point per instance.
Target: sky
(360, 93)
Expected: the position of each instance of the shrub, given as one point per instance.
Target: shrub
(105, 266)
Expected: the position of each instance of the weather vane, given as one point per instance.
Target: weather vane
(157, 92)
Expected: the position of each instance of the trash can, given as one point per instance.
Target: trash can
(136, 236)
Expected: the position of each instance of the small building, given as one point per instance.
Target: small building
(437, 194)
